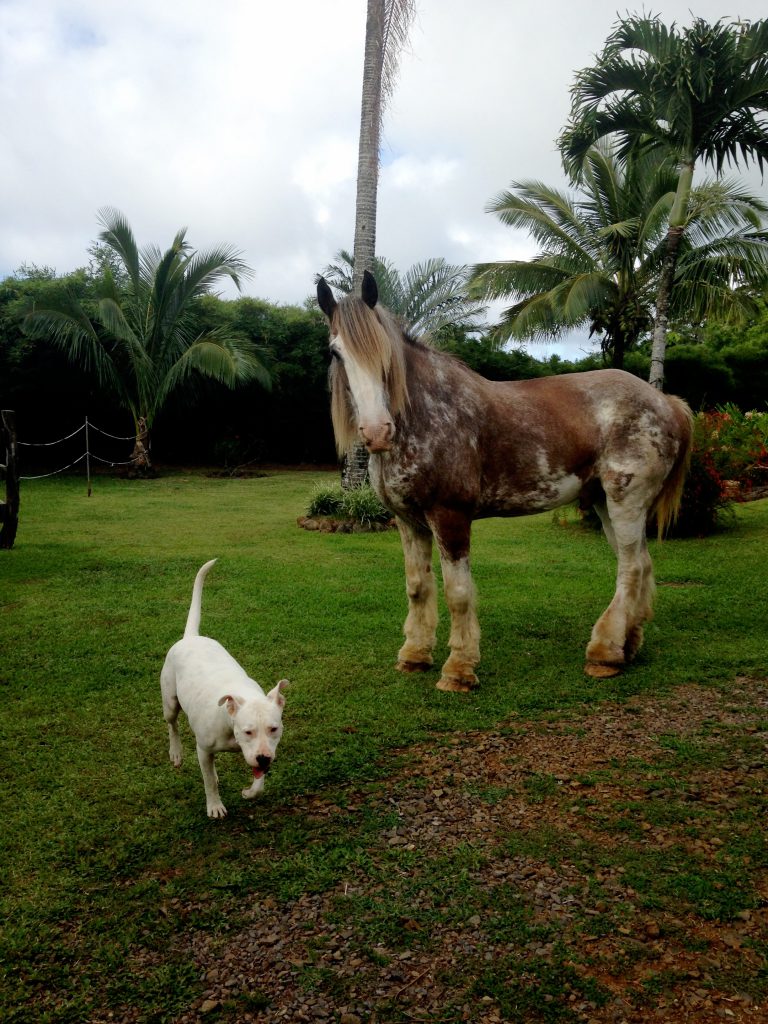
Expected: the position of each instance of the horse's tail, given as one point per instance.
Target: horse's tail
(667, 503)
(193, 618)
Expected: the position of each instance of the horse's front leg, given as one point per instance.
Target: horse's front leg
(452, 531)
(421, 624)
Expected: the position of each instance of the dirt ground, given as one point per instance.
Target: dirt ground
(602, 867)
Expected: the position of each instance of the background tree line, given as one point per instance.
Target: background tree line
(203, 422)
(640, 254)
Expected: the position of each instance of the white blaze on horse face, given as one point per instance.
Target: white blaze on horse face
(374, 420)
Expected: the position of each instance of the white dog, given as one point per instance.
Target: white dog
(226, 709)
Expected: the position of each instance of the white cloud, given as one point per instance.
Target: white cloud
(240, 120)
(419, 175)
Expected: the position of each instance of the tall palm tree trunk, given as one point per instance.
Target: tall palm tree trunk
(141, 463)
(386, 28)
(677, 222)
(663, 297)
(368, 148)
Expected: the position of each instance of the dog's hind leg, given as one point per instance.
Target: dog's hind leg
(171, 709)
(214, 806)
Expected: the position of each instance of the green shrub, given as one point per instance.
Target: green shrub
(360, 504)
(326, 501)
(729, 459)
(697, 374)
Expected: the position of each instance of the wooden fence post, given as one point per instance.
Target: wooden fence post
(9, 510)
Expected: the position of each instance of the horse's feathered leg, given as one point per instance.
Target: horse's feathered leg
(618, 633)
(452, 532)
(459, 670)
(421, 624)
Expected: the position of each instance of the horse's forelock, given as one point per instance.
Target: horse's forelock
(364, 335)
(375, 341)
(342, 413)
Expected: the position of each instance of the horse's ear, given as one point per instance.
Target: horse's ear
(370, 291)
(325, 297)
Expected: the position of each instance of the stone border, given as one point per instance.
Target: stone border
(329, 524)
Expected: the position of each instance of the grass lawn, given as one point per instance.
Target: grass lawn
(107, 854)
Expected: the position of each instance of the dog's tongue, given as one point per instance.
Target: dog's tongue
(258, 773)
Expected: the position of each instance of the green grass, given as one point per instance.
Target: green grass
(107, 851)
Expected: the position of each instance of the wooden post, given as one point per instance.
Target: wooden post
(9, 511)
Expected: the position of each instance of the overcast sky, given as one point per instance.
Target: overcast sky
(239, 119)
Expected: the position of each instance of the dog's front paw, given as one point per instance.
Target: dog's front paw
(253, 790)
(217, 810)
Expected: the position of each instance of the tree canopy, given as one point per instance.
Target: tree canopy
(139, 335)
(698, 93)
(601, 252)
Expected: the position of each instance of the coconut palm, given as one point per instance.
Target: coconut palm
(602, 252)
(428, 297)
(142, 339)
(386, 33)
(699, 93)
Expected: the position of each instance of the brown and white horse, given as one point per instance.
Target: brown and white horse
(448, 446)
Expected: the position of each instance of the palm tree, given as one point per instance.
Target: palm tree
(602, 252)
(386, 33)
(141, 339)
(427, 298)
(698, 93)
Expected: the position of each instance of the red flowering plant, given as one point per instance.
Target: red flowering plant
(729, 463)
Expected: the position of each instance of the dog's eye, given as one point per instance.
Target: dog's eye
(249, 732)
(273, 729)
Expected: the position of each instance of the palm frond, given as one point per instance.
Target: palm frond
(220, 356)
(117, 234)
(398, 16)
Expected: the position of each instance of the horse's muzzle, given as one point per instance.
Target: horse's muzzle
(378, 439)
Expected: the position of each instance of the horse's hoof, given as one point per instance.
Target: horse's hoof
(597, 671)
(413, 666)
(450, 684)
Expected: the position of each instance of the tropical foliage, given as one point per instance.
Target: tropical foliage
(602, 252)
(139, 336)
(428, 298)
(729, 463)
(698, 93)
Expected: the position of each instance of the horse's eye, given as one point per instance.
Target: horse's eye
(335, 354)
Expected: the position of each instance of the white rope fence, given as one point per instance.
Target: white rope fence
(86, 456)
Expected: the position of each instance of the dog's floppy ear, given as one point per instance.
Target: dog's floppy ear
(325, 298)
(276, 694)
(233, 704)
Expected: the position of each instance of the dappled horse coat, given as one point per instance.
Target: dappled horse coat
(448, 446)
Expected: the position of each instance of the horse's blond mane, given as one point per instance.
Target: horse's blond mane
(376, 343)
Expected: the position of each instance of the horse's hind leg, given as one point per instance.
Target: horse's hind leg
(421, 624)
(618, 633)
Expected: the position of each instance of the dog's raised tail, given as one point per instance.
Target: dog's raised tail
(192, 627)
